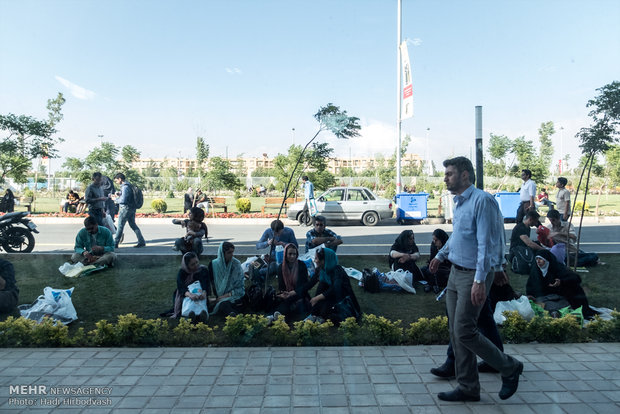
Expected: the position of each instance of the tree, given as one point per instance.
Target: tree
(75, 167)
(499, 147)
(612, 161)
(599, 137)
(220, 175)
(103, 159)
(27, 139)
(129, 155)
(545, 151)
(202, 155)
(314, 166)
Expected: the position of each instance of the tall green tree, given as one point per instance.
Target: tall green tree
(202, 155)
(612, 161)
(103, 159)
(220, 175)
(26, 139)
(500, 146)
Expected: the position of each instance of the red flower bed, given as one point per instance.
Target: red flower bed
(171, 215)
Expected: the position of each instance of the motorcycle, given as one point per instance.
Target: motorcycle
(13, 237)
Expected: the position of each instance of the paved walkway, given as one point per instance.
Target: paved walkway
(572, 378)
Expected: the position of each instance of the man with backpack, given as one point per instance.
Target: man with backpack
(128, 203)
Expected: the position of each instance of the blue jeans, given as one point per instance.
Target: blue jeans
(197, 246)
(127, 215)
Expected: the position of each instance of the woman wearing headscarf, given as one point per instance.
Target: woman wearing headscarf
(293, 284)
(404, 253)
(228, 281)
(333, 288)
(551, 277)
(438, 280)
(190, 272)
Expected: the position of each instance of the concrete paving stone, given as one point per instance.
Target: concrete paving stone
(165, 362)
(197, 390)
(135, 371)
(249, 401)
(170, 390)
(13, 371)
(100, 380)
(104, 371)
(208, 371)
(417, 388)
(244, 410)
(402, 369)
(251, 390)
(282, 361)
(304, 370)
(305, 389)
(362, 400)
(125, 380)
(350, 352)
(280, 379)
(133, 402)
(329, 369)
(331, 360)
(335, 410)
(563, 375)
(228, 380)
(142, 362)
(184, 370)
(331, 379)
(599, 366)
(304, 361)
(222, 401)
(221, 410)
(51, 362)
(215, 354)
(95, 362)
(278, 389)
(329, 389)
(356, 379)
(212, 362)
(278, 353)
(425, 410)
(573, 366)
(378, 369)
(161, 402)
(365, 410)
(40, 371)
(562, 397)
(152, 380)
(71, 362)
(151, 354)
(375, 360)
(116, 362)
(306, 401)
(189, 402)
(514, 400)
(259, 353)
(610, 375)
(353, 369)
(277, 401)
(86, 371)
(159, 371)
(382, 378)
(437, 387)
(371, 352)
(575, 385)
(534, 358)
(531, 397)
(407, 378)
(391, 399)
(591, 396)
(612, 395)
(334, 400)
(353, 388)
(281, 370)
(143, 390)
(548, 366)
(395, 410)
(602, 385)
(561, 357)
(516, 409)
(236, 362)
(257, 370)
(189, 361)
(605, 408)
(577, 409)
(259, 361)
(537, 376)
(224, 389)
(419, 399)
(253, 379)
(386, 389)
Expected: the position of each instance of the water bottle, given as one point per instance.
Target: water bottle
(279, 254)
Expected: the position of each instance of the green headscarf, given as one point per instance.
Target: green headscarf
(223, 271)
(331, 261)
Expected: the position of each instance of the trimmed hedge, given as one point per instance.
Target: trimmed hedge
(254, 330)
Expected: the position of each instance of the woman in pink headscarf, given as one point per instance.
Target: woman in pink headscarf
(293, 285)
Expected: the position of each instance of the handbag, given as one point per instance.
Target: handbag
(343, 310)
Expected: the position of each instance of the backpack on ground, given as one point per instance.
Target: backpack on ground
(138, 197)
(370, 281)
(522, 260)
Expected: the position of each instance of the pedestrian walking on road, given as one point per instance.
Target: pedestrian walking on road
(127, 211)
(476, 250)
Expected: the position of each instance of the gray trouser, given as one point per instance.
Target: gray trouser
(466, 339)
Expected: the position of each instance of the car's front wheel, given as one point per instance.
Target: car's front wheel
(370, 218)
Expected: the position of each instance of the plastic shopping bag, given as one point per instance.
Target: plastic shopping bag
(354, 273)
(54, 303)
(521, 305)
(196, 306)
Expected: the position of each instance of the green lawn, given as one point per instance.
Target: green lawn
(144, 286)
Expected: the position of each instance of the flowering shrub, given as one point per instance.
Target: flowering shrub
(309, 333)
(243, 328)
(429, 331)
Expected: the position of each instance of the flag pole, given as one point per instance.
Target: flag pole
(398, 98)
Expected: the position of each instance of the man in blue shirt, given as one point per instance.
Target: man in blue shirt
(277, 235)
(321, 235)
(127, 211)
(476, 250)
(309, 197)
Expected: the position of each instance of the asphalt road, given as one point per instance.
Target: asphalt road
(58, 236)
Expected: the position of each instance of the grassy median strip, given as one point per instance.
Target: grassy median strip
(143, 285)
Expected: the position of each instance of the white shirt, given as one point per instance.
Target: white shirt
(528, 189)
(562, 200)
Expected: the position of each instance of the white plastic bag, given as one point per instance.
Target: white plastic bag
(245, 266)
(354, 273)
(308, 259)
(54, 303)
(196, 306)
(71, 270)
(521, 305)
(404, 278)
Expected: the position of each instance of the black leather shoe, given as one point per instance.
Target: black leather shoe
(484, 367)
(510, 383)
(444, 371)
(457, 395)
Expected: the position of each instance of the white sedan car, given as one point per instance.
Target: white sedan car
(347, 203)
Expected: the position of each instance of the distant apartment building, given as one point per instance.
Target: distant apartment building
(251, 164)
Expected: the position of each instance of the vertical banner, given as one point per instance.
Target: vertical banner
(407, 96)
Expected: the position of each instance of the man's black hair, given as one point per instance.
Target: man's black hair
(120, 175)
(462, 164)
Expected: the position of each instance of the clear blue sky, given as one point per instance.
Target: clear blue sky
(243, 74)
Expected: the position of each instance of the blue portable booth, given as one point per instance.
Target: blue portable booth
(411, 206)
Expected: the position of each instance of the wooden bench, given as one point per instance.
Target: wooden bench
(26, 202)
(217, 202)
(276, 202)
